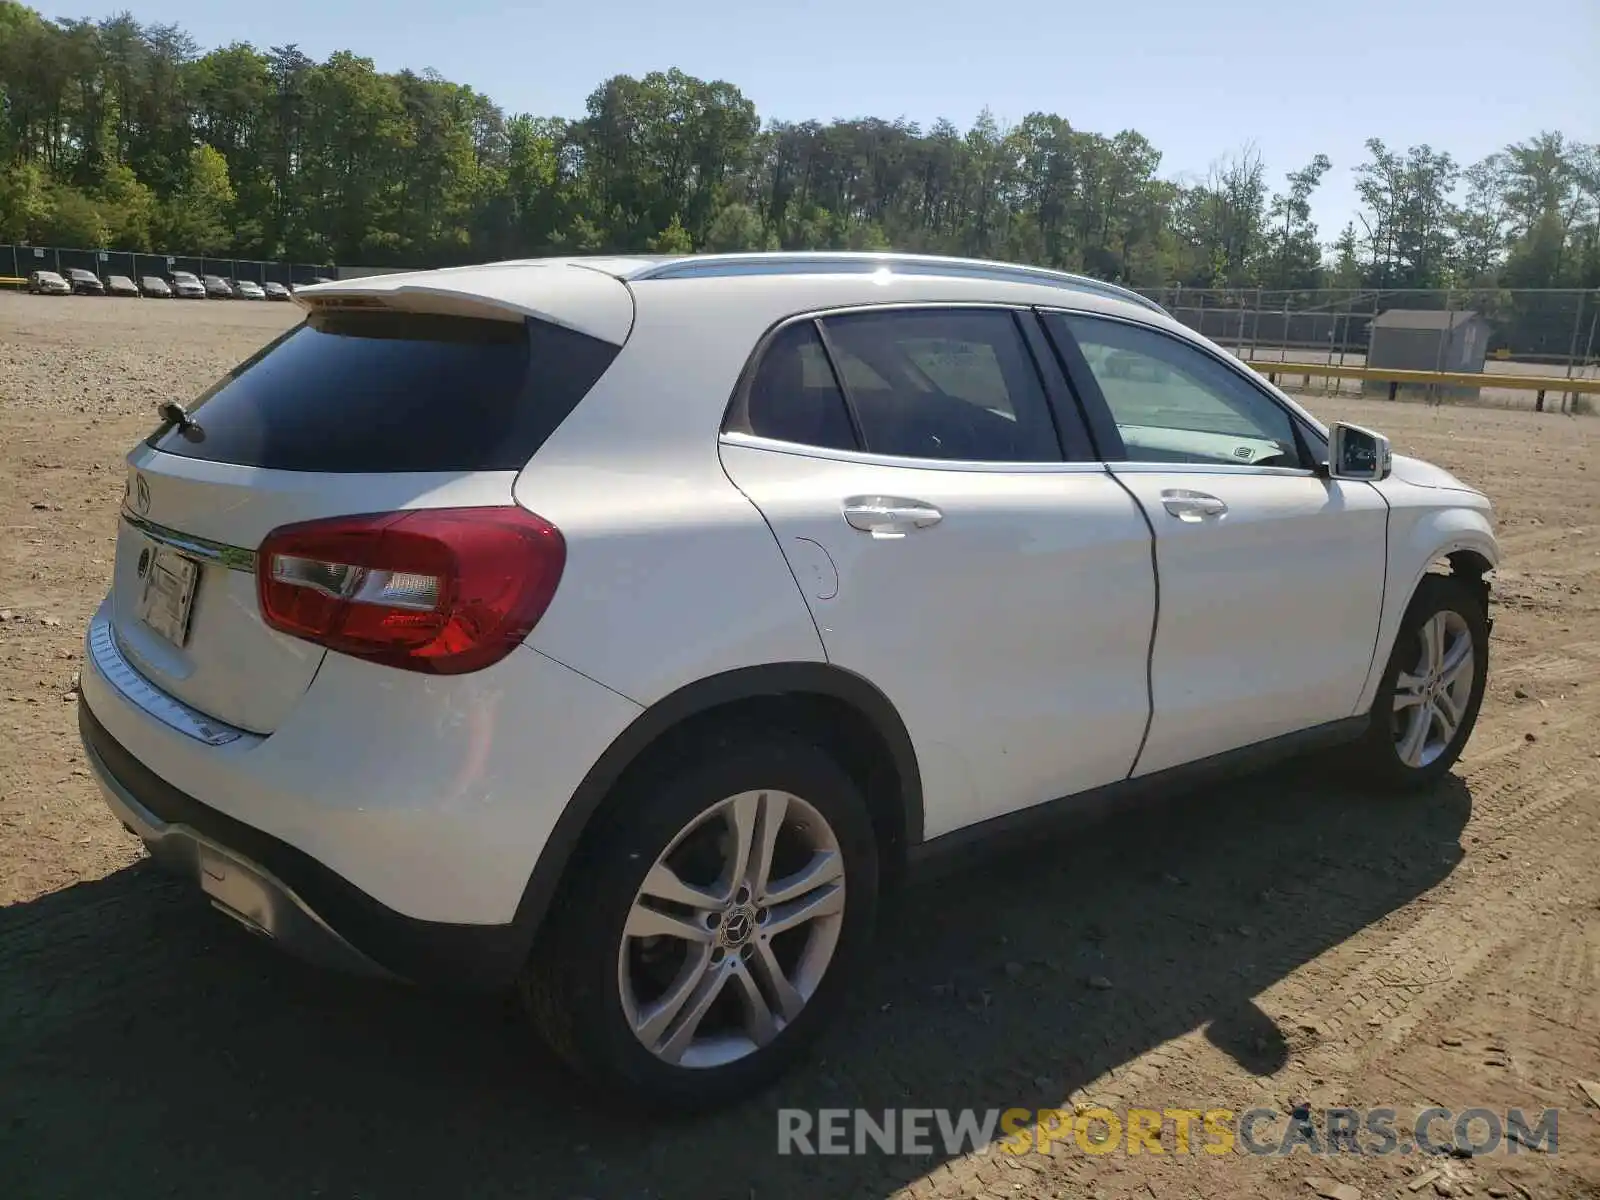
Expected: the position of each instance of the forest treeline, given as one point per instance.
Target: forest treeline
(129, 136)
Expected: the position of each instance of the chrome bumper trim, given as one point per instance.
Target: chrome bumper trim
(107, 658)
(236, 886)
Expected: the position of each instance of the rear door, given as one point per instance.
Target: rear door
(361, 410)
(954, 550)
(1271, 575)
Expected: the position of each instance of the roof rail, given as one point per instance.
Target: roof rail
(710, 266)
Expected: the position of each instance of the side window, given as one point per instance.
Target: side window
(793, 396)
(943, 383)
(1173, 403)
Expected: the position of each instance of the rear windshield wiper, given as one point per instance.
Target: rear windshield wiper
(175, 415)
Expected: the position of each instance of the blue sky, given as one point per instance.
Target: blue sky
(1199, 78)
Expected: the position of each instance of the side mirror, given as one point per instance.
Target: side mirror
(1357, 453)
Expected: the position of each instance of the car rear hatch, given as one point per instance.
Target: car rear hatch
(397, 393)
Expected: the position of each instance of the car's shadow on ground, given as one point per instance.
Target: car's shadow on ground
(149, 1047)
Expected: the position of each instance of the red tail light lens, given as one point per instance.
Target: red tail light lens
(441, 590)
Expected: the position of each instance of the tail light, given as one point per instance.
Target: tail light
(440, 590)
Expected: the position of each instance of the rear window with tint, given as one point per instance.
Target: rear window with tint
(369, 391)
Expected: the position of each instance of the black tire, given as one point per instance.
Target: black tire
(1381, 755)
(571, 988)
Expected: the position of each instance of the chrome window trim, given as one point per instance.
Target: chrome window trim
(861, 457)
(235, 558)
(1147, 467)
(124, 678)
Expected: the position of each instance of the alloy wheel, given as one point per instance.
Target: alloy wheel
(1430, 700)
(732, 929)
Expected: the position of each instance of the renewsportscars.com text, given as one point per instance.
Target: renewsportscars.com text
(1179, 1131)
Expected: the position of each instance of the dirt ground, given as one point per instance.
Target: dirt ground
(1284, 939)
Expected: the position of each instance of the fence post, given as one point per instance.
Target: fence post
(1283, 354)
(1445, 343)
(1343, 326)
(1572, 350)
(1366, 357)
(1589, 345)
(1255, 325)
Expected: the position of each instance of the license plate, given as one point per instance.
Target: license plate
(168, 594)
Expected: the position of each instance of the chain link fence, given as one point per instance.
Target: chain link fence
(1525, 331)
(19, 261)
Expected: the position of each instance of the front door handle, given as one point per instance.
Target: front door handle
(889, 516)
(1192, 506)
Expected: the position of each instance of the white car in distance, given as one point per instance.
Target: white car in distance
(731, 587)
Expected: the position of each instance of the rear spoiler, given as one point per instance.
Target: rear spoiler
(588, 302)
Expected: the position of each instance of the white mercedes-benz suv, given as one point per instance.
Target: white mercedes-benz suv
(620, 628)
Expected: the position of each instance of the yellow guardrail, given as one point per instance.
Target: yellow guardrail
(13, 281)
(1395, 377)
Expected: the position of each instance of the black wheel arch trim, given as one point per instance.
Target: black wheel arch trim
(770, 680)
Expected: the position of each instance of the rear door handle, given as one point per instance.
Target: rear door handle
(889, 516)
(1192, 506)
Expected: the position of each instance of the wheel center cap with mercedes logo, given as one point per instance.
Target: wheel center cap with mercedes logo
(738, 926)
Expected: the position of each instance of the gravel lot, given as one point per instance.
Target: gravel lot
(1285, 938)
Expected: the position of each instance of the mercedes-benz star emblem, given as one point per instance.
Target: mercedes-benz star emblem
(737, 928)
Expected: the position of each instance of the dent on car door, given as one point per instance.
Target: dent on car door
(1000, 596)
(1271, 575)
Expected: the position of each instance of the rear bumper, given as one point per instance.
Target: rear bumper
(282, 893)
(434, 796)
(390, 818)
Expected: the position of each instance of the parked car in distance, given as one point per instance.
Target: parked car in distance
(85, 283)
(248, 289)
(155, 287)
(187, 286)
(121, 285)
(275, 291)
(629, 677)
(48, 283)
(218, 288)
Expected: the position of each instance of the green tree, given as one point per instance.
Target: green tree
(674, 239)
(128, 209)
(1346, 271)
(72, 219)
(1481, 222)
(738, 227)
(195, 218)
(1408, 214)
(24, 202)
(1294, 259)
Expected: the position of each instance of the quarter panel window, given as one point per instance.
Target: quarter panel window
(944, 384)
(793, 396)
(1174, 403)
